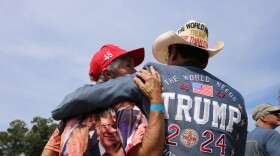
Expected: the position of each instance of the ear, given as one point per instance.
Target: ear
(204, 64)
(107, 74)
(98, 128)
(173, 50)
(173, 54)
(263, 118)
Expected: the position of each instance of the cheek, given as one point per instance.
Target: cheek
(125, 71)
(131, 71)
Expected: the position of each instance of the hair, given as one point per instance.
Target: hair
(186, 51)
(107, 112)
(258, 122)
(112, 67)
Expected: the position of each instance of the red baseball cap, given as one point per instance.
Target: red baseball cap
(110, 52)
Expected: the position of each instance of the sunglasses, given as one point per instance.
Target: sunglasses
(275, 113)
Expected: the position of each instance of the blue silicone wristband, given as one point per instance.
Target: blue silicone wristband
(157, 107)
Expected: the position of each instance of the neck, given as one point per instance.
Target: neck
(265, 125)
(186, 61)
(114, 151)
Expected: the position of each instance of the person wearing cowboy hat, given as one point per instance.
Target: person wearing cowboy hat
(264, 139)
(203, 114)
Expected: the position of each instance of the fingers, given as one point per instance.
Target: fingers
(155, 73)
(149, 83)
(145, 74)
(139, 83)
(142, 86)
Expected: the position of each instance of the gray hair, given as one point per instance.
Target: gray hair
(112, 67)
(259, 121)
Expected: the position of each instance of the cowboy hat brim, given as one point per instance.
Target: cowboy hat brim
(161, 44)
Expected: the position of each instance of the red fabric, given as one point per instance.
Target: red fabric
(107, 54)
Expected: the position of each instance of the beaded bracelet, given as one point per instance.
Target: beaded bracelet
(155, 106)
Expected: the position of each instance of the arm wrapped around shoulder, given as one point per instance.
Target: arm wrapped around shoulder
(99, 96)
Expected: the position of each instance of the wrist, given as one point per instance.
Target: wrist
(156, 100)
(157, 107)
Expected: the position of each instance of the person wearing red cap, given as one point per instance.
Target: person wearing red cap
(101, 68)
(203, 114)
(109, 63)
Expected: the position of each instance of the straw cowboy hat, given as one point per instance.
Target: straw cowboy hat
(192, 34)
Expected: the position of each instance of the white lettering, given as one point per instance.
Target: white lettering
(171, 80)
(219, 113)
(166, 96)
(200, 78)
(166, 152)
(233, 119)
(197, 109)
(226, 90)
(185, 108)
(185, 105)
(108, 55)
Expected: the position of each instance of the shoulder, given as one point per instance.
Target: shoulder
(269, 133)
(155, 65)
(273, 133)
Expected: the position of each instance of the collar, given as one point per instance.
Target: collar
(191, 63)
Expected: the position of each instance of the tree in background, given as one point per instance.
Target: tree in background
(12, 141)
(38, 136)
(20, 140)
